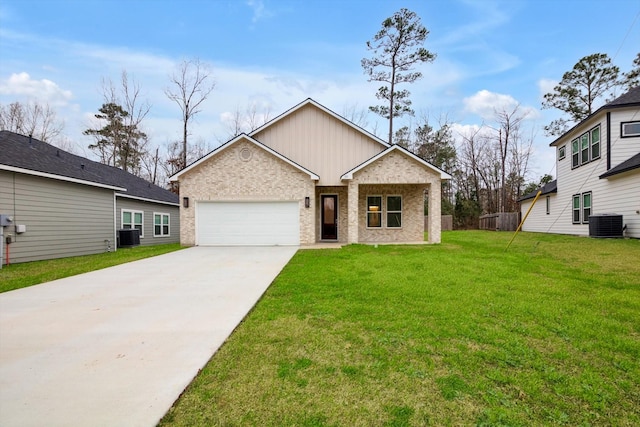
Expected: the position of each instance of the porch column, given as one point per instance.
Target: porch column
(434, 227)
(352, 212)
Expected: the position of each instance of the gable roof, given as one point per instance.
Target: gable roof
(244, 137)
(19, 153)
(548, 188)
(349, 174)
(629, 164)
(628, 99)
(310, 101)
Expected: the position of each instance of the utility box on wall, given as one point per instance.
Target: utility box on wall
(5, 220)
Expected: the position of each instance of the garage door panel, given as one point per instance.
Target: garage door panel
(247, 223)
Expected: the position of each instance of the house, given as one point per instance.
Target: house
(65, 205)
(598, 172)
(308, 176)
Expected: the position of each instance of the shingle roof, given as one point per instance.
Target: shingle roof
(549, 187)
(627, 165)
(629, 98)
(23, 152)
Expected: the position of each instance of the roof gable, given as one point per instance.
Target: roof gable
(24, 154)
(243, 137)
(349, 175)
(336, 116)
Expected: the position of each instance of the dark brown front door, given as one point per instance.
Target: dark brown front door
(329, 217)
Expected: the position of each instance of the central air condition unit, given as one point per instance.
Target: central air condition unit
(605, 225)
(128, 237)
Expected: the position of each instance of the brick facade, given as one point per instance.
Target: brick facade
(245, 172)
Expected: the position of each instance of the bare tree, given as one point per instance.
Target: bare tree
(247, 120)
(33, 118)
(356, 115)
(191, 85)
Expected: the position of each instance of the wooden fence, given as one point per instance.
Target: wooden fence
(446, 223)
(503, 221)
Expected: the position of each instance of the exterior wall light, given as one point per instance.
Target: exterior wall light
(307, 202)
(185, 202)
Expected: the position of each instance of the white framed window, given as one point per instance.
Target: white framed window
(133, 219)
(161, 223)
(394, 211)
(585, 148)
(374, 211)
(586, 207)
(562, 152)
(548, 205)
(576, 209)
(630, 129)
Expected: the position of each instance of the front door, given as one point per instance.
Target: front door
(329, 218)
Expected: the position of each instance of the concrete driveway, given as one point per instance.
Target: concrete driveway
(116, 347)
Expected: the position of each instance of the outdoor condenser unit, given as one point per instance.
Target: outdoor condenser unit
(128, 237)
(605, 225)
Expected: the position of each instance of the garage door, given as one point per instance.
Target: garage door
(247, 223)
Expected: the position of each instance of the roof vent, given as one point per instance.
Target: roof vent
(605, 225)
(81, 165)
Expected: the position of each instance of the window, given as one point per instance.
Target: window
(586, 207)
(595, 143)
(133, 219)
(586, 148)
(630, 129)
(581, 207)
(575, 155)
(374, 211)
(562, 152)
(576, 209)
(548, 205)
(160, 225)
(394, 211)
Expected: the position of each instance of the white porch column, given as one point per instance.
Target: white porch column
(352, 212)
(434, 227)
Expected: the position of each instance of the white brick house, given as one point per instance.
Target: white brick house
(308, 176)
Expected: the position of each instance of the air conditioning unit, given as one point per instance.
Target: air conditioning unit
(605, 225)
(128, 237)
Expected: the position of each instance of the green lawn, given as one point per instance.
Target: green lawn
(16, 276)
(461, 333)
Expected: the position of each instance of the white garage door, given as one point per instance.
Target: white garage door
(247, 223)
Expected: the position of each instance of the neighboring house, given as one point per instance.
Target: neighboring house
(308, 176)
(598, 172)
(70, 205)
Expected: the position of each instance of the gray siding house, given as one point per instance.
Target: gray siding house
(65, 205)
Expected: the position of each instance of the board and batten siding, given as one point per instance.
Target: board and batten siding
(148, 209)
(321, 143)
(62, 219)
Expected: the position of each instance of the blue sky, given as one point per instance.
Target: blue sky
(490, 54)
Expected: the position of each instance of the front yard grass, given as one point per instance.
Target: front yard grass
(461, 333)
(16, 276)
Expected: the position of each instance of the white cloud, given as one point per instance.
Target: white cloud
(546, 86)
(259, 11)
(23, 86)
(485, 104)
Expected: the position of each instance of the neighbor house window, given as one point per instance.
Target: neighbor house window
(548, 205)
(585, 148)
(595, 143)
(133, 219)
(630, 129)
(562, 152)
(394, 211)
(575, 153)
(586, 207)
(576, 209)
(160, 225)
(374, 211)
